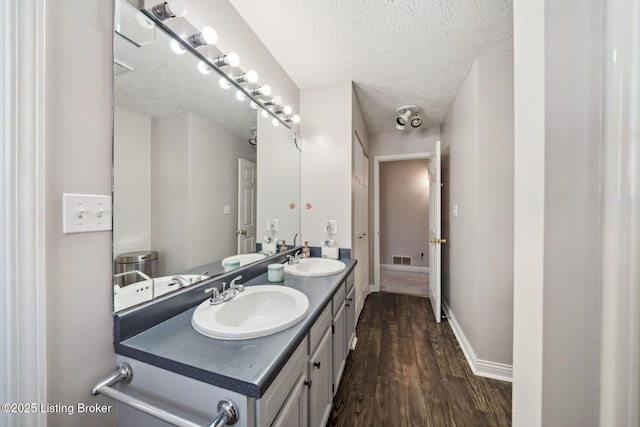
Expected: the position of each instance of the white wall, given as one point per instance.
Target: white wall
(131, 181)
(478, 130)
(326, 129)
(78, 160)
(404, 142)
(278, 182)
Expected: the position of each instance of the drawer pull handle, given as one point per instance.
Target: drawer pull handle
(316, 364)
(308, 383)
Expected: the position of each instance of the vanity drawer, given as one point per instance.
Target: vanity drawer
(319, 328)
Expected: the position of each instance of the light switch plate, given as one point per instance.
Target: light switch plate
(83, 213)
(331, 226)
(272, 225)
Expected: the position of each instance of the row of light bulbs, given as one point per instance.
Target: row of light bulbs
(208, 36)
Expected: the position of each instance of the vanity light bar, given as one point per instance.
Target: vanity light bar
(176, 8)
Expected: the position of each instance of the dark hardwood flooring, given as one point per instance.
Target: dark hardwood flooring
(408, 370)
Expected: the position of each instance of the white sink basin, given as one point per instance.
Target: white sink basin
(163, 285)
(315, 267)
(244, 258)
(258, 311)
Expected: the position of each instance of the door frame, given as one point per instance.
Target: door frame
(376, 205)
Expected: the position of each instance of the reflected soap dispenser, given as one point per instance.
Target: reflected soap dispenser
(306, 251)
(283, 247)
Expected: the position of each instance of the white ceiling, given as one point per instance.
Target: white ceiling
(396, 52)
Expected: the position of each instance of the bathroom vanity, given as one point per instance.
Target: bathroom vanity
(284, 379)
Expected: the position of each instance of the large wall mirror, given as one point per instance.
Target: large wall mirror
(199, 176)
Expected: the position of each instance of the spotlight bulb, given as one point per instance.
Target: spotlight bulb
(295, 118)
(416, 121)
(232, 59)
(265, 90)
(203, 68)
(251, 76)
(209, 35)
(224, 84)
(287, 109)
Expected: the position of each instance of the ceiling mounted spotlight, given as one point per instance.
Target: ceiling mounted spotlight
(408, 114)
(169, 9)
(416, 121)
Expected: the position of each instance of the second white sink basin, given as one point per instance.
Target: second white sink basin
(315, 267)
(258, 311)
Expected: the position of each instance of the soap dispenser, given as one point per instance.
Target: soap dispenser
(283, 247)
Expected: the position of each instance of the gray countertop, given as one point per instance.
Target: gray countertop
(245, 366)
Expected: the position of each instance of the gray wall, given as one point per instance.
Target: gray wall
(78, 160)
(478, 131)
(404, 211)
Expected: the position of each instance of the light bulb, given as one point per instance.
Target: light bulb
(177, 7)
(224, 83)
(265, 90)
(177, 47)
(251, 76)
(295, 118)
(209, 35)
(277, 100)
(253, 105)
(232, 59)
(275, 122)
(264, 114)
(203, 68)
(169, 9)
(287, 109)
(240, 96)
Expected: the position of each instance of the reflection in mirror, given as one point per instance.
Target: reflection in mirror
(186, 170)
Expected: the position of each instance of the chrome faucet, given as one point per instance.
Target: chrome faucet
(179, 280)
(231, 292)
(294, 259)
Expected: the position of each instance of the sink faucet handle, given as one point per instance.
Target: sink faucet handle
(224, 286)
(215, 294)
(233, 281)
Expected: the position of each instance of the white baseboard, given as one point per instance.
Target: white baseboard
(411, 268)
(480, 367)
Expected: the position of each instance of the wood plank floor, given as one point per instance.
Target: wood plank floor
(408, 370)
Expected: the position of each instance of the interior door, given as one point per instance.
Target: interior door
(361, 221)
(247, 184)
(435, 233)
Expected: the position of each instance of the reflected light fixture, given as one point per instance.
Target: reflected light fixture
(275, 122)
(408, 114)
(176, 47)
(240, 96)
(292, 119)
(169, 9)
(207, 36)
(224, 83)
(204, 68)
(287, 109)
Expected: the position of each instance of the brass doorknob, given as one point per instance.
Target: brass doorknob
(435, 240)
(243, 232)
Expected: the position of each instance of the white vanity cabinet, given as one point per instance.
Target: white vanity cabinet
(319, 367)
(350, 308)
(343, 327)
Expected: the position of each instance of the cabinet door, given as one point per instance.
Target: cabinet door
(320, 392)
(339, 345)
(350, 307)
(295, 409)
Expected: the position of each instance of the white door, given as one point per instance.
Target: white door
(435, 233)
(361, 222)
(247, 184)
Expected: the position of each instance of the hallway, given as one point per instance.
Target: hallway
(404, 282)
(407, 370)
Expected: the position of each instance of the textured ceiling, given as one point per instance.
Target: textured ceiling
(396, 52)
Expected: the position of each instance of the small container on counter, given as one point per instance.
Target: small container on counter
(275, 273)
